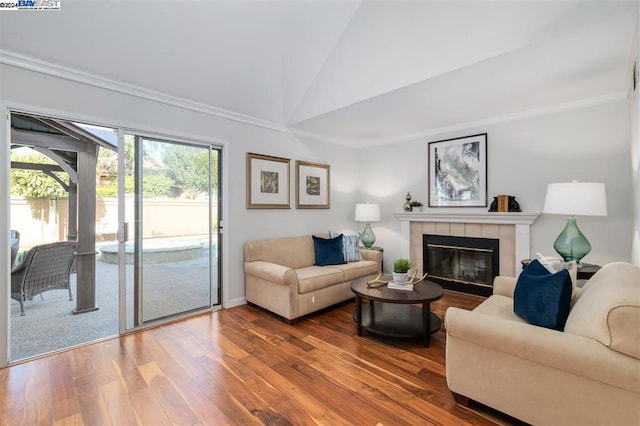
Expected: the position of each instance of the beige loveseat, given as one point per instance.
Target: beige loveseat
(281, 276)
(587, 375)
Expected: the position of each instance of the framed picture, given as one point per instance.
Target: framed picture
(268, 182)
(312, 187)
(458, 172)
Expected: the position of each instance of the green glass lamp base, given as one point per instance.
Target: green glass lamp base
(367, 236)
(571, 244)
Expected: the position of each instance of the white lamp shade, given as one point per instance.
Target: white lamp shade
(367, 213)
(576, 199)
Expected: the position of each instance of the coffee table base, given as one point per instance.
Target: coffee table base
(397, 320)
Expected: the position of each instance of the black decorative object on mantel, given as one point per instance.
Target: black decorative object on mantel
(513, 205)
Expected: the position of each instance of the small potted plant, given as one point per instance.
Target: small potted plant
(416, 206)
(401, 268)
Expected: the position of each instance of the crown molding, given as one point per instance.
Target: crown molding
(51, 69)
(582, 103)
(54, 70)
(48, 68)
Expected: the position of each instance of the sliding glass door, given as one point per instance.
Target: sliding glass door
(169, 238)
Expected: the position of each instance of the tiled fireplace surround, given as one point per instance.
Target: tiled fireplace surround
(512, 229)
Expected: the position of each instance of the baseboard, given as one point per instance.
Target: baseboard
(232, 303)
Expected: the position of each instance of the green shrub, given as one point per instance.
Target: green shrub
(157, 186)
(34, 183)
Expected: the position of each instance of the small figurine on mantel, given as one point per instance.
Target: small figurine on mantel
(407, 205)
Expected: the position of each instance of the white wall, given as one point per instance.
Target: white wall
(266, 223)
(634, 120)
(524, 155)
(589, 144)
(46, 94)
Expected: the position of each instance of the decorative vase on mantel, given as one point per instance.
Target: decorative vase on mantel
(407, 204)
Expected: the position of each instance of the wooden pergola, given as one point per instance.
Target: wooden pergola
(75, 151)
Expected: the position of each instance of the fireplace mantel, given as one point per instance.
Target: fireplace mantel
(469, 217)
(521, 221)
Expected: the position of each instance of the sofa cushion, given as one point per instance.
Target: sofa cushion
(328, 250)
(293, 252)
(316, 277)
(608, 308)
(353, 270)
(543, 298)
(350, 244)
(499, 306)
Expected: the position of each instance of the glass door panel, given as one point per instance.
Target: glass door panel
(171, 216)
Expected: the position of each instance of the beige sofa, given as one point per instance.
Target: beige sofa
(587, 375)
(281, 277)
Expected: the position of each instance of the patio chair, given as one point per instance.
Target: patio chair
(44, 267)
(15, 245)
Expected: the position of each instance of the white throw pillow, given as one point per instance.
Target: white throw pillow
(350, 244)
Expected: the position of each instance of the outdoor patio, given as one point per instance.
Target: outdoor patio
(50, 325)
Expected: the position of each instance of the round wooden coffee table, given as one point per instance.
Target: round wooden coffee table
(394, 313)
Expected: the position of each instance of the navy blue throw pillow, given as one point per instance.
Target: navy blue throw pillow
(543, 298)
(328, 250)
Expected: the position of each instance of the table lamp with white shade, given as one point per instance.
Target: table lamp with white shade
(367, 213)
(574, 199)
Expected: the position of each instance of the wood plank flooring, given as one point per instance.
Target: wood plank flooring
(244, 366)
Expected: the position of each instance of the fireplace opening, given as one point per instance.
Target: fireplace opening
(463, 264)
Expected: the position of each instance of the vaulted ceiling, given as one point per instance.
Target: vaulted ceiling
(354, 72)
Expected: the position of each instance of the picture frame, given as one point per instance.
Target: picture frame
(313, 185)
(458, 172)
(268, 182)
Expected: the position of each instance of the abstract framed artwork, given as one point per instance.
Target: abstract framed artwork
(458, 172)
(268, 182)
(312, 185)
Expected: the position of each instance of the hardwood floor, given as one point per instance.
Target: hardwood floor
(243, 366)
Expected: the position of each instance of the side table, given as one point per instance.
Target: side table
(585, 270)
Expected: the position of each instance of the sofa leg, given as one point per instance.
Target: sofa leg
(461, 399)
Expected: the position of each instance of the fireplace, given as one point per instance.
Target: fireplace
(465, 264)
(511, 228)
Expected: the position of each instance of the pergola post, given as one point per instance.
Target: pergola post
(72, 225)
(85, 260)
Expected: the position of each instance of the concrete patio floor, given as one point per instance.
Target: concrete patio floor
(50, 325)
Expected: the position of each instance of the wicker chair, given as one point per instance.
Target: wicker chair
(15, 245)
(44, 267)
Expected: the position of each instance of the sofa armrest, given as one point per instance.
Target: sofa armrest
(272, 272)
(375, 255)
(504, 286)
(578, 355)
